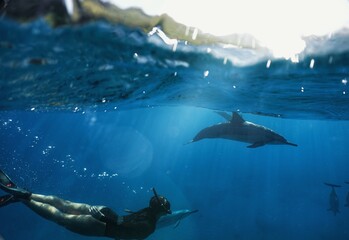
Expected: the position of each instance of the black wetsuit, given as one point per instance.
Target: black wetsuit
(138, 225)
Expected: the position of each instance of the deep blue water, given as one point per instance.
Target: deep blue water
(92, 122)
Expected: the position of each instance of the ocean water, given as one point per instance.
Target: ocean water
(99, 113)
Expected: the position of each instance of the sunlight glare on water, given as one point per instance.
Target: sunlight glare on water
(279, 25)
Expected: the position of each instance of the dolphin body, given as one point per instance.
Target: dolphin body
(174, 218)
(240, 130)
(333, 199)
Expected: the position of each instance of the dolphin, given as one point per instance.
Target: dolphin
(240, 130)
(174, 218)
(333, 200)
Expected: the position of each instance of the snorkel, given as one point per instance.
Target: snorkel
(167, 210)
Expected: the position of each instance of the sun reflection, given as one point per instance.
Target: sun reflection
(268, 63)
(312, 63)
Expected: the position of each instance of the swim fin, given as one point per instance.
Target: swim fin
(10, 187)
(7, 199)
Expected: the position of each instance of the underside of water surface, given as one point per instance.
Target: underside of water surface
(101, 64)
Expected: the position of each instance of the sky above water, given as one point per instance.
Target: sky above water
(279, 25)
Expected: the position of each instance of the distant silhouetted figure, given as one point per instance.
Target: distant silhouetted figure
(333, 200)
(347, 203)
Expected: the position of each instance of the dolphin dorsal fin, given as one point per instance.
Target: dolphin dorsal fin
(236, 118)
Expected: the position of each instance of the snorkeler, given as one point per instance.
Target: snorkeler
(85, 219)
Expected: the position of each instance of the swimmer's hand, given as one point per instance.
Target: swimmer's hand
(96, 213)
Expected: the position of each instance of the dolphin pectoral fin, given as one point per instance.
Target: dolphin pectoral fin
(191, 141)
(256, 144)
(292, 144)
(177, 224)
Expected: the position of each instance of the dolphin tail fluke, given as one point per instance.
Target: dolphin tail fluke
(292, 144)
(332, 185)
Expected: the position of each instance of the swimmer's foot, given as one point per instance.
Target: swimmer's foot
(10, 187)
(7, 199)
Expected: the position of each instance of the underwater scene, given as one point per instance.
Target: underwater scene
(217, 137)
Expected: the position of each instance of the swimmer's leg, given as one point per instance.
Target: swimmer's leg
(83, 224)
(64, 206)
